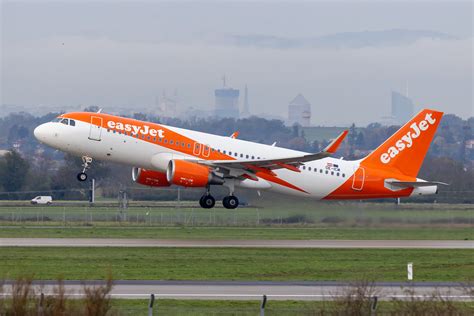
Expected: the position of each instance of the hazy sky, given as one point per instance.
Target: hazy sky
(68, 53)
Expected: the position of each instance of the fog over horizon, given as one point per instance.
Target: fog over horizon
(344, 57)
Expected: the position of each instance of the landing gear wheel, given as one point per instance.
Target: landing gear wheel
(230, 202)
(86, 162)
(207, 201)
(82, 176)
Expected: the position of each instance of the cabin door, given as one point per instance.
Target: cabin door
(95, 131)
(359, 179)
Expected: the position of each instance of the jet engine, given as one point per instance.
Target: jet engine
(190, 174)
(150, 178)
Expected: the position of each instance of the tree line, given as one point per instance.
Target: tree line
(35, 168)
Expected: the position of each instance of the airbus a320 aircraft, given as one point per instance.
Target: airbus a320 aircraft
(164, 155)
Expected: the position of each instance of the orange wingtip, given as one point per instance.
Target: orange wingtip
(234, 135)
(334, 145)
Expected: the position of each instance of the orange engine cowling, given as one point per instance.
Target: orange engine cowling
(190, 174)
(150, 177)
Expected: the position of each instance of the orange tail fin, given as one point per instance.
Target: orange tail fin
(406, 149)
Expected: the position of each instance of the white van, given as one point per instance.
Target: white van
(42, 199)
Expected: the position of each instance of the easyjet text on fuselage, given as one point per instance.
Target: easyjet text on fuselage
(135, 129)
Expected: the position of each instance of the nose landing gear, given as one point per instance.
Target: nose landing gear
(86, 161)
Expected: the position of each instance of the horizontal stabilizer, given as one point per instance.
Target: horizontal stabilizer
(415, 184)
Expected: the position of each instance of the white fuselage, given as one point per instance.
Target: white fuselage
(317, 179)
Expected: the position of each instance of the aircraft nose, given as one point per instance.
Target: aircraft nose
(40, 132)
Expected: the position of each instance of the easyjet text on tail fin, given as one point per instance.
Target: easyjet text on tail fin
(406, 149)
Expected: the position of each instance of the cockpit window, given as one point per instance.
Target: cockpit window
(65, 121)
(57, 120)
(72, 122)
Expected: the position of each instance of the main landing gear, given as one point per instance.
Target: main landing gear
(86, 161)
(207, 201)
(229, 202)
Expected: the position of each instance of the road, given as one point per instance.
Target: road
(105, 242)
(230, 290)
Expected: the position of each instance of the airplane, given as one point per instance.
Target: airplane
(161, 156)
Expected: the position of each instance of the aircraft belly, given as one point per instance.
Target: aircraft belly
(311, 184)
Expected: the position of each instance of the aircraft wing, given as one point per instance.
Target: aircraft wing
(290, 163)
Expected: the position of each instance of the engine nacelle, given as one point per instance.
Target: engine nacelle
(190, 174)
(150, 178)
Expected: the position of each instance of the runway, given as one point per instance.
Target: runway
(175, 243)
(229, 290)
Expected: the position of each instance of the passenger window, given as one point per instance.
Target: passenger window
(304, 167)
(247, 156)
(332, 173)
(72, 122)
(253, 157)
(230, 153)
(337, 174)
(189, 145)
(171, 142)
(224, 151)
(327, 172)
(309, 168)
(236, 154)
(320, 170)
(166, 141)
(241, 155)
(343, 175)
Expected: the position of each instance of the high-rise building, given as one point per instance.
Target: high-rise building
(167, 105)
(402, 108)
(227, 102)
(246, 107)
(299, 111)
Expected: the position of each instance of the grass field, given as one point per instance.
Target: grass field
(221, 233)
(283, 213)
(137, 307)
(237, 264)
(195, 307)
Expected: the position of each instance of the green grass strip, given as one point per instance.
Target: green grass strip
(237, 264)
(220, 233)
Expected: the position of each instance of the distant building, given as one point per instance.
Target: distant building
(227, 102)
(402, 108)
(167, 105)
(299, 111)
(246, 106)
